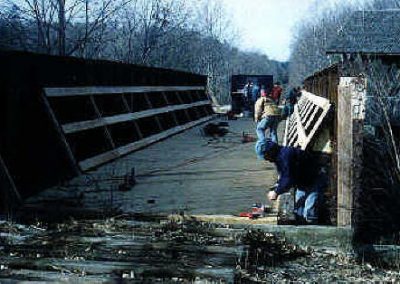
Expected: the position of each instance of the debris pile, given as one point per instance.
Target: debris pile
(266, 250)
(136, 248)
(153, 248)
(269, 258)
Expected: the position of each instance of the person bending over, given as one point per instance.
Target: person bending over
(300, 170)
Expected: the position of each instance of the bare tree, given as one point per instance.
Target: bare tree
(191, 35)
(56, 21)
(383, 105)
(309, 45)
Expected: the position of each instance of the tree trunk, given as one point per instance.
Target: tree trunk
(61, 27)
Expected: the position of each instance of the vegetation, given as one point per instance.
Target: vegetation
(194, 36)
(313, 36)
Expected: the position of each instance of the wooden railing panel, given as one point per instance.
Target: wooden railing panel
(93, 91)
(143, 126)
(307, 117)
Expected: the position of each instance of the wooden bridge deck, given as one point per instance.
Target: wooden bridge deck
(188, 171)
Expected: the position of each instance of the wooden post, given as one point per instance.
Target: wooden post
(178, 95)
(350, 118)
(105, 128)
(173, 113)
(156, 118)
(9, 193)
(135, 124)
(61, 134)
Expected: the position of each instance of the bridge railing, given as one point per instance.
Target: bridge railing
(119, 120)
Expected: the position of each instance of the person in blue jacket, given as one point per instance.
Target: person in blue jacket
(300, 170)
(290, 100)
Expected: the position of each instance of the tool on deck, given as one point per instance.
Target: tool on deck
(247, 138)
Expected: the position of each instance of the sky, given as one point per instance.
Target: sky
(267, 26)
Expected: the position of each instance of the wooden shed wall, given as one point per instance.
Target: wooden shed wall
(325, 84)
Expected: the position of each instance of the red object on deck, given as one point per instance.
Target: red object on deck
(246, 214)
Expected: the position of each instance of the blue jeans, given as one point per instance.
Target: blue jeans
(271, 123)
(306, 205)
(308, 200)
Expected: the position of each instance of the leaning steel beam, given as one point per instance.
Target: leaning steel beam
(89, 124)
(113, 154)
(87, 91)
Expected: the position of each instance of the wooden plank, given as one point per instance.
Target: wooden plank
(135, 124)
(150, 105)
(291, 134)
(303, 106)
(286, 132)
(173, 113)
(315, 128)
(89, 124)
(300, 129)
(351, 117)
(105, 129)
(97, 90)
(305, 115)
(178, 95)
(302, 118)
(303, 102)
(110, 155)
(345, 152)
(290, 124)
(311, 118)
(317, 100)
(126, 105)
(9, 193)
(137, 129)
(293, 140)
(307, 107)
(230, 219)
(61, 134)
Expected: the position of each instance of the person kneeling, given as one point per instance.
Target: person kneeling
(300, 170)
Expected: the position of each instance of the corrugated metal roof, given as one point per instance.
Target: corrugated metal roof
(372, 32)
